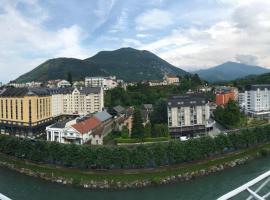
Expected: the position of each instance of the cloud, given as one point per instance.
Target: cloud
(242, 36)
(27, 43)
(153, 19)
(247, 59)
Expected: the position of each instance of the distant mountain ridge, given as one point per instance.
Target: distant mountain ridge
(126, 63)
(229, 71)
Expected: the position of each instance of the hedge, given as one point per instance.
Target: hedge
(138, 140)
(138, 156)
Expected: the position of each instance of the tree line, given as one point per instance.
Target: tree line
(138, 156)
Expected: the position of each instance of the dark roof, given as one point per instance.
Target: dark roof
(187, 100)
(261, 87)
(60, 124)
(66, 90)
(88, 90)
(118, 109)
(103, 116)
(20, 92)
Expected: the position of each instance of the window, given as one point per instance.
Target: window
(2, 109)
(30, 111)
(6, 109)
(11, 109)
(16, 109)
(21, 109)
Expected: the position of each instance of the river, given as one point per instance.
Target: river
(21, 187)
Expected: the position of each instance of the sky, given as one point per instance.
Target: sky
(190, 34)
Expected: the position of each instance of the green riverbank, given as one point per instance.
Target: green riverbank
(133, 178)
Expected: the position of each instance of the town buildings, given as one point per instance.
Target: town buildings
(168, 79)
(224, 94)
(171, 79)
(107, 83)
(255, 101)
(25, 111)
(188, 115)
(63, 84)
(87, 129)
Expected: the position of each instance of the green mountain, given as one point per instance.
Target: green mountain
(230, 71)
(125, 63)
(252, 79)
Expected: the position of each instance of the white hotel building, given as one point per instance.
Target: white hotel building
(255, 101)
(188, 116)
(80, 101)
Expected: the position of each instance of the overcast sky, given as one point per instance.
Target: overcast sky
(190, 34)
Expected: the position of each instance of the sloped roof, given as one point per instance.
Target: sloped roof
(20, 92)
(87, 125)
(119, 109)
(103, 116)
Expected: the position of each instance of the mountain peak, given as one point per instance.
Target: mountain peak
(230, 71)
(126, 63)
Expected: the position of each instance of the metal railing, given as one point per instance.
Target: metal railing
(253, 194)
(3, 197)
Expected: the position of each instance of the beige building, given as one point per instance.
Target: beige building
(171, 79)
(24, 111)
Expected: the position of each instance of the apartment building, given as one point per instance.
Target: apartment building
(107, 83)
(188, 115)
(224, 94)
(78, 101)
(94, 82)
(255, 101)
(24, 111)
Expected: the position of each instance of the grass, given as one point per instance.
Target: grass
(137, 140)
(85, 176)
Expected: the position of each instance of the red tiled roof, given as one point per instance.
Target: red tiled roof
(87, 125)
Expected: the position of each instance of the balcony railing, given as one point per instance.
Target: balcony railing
(257, 188)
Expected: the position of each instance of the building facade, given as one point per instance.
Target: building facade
(188, 116)
(171, 79)
(255, 101)
(24, 111)
(107, 83)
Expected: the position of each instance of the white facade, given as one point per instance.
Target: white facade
(57, 105)
(75, 131)
(55, 133)
(256, 100)
(188, 116)
(94, 82)
(83, 102)
(63, 83)
(107, 83)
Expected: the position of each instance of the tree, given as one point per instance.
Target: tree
(125, 133)
(147, 130)
(160, 130)
(230, 115)
(69, 78)
(137, 128)
(159, 114)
